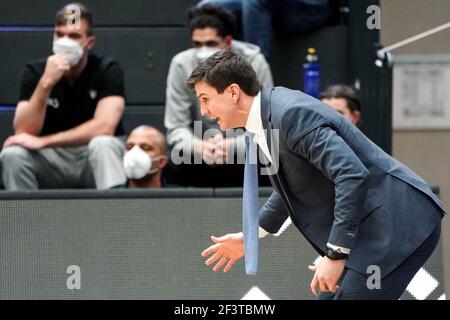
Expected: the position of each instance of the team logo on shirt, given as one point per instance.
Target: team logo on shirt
(53, 102)
(93, 94)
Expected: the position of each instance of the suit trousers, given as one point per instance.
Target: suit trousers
(354, 285)
(96, 165)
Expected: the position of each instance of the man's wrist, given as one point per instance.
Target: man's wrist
(335, 254)
(46, 141)
(46, 84)
(262, 233)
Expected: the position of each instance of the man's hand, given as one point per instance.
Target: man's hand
(327, 274)
(220, 149)
(206, 149)
(54, 69)
(213, 150)
(228, 249)
(26, 140)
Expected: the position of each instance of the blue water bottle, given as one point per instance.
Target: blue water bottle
(311, 84)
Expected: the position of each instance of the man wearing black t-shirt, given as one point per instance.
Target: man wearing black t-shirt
(68, 118)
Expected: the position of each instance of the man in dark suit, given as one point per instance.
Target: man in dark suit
(361, 209)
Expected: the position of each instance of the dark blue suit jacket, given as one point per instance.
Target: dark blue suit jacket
(339, 187)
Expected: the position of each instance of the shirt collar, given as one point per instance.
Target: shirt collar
(254, 122)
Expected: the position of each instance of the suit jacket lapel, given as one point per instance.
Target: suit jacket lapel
(276, 179)
(267, 125)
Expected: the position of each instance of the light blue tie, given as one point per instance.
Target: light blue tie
(250, 206)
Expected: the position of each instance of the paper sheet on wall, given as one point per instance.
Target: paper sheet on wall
(421, 92)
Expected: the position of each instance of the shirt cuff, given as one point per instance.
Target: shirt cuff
(262, 233)
(343, 250)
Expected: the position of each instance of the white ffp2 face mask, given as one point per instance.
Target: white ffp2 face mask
(204, 53)
(70, 48)
(138, 164)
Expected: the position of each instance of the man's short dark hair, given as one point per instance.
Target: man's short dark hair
(225, 68)
(211, 16)
(66, 12)
(345, 92)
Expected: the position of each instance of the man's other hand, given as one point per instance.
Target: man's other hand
(227, 249)
(25, 140)
(55, 68)
(326, 275)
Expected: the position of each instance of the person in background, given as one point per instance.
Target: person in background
(344, 100)
(211, 29)
(145, 158)
(68, 119)
(259, 18)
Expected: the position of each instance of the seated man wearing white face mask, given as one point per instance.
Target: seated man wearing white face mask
(145, 158)
(68, 118)
(211, 29)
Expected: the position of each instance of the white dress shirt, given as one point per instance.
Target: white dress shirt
(255, 126)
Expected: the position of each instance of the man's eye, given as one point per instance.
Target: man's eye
(211, 44)
(74, 36)
(146, 146)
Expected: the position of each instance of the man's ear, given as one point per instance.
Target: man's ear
(90, 42)
(228, 40)
(163, 161)
(235, 92)
(356, 116)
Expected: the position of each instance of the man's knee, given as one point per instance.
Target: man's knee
(14, 155)
(102, 143)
